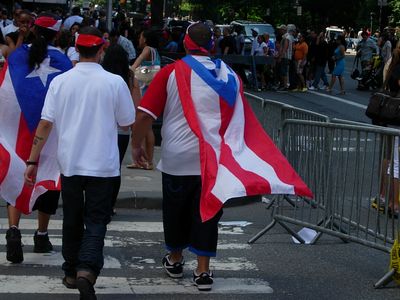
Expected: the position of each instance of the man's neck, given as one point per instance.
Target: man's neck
(91, 60)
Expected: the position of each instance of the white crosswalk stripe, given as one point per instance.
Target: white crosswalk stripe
(120, 226)
(121, 236)
(123, 285)
(118, 241)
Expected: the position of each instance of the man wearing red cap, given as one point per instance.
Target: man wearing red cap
(85, 115)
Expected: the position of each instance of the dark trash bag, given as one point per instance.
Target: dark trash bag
(355, 74)
(384, 109)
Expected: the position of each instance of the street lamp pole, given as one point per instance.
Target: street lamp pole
(164, 7)
(109, 14)
(372, 14)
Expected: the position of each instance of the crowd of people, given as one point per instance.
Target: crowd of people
(301, 58)
(91, 121)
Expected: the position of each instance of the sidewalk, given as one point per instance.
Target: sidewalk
(140, 188)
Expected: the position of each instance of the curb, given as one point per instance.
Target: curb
(153, 200)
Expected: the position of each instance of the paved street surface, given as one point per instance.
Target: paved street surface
(350, 106)
(272, 268)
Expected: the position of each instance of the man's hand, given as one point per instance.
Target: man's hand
(139, 157)
(30, 174)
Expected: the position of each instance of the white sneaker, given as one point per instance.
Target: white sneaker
(312, 88)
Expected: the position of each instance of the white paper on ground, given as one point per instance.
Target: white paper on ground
(306, 234)
(235, 223)
(265, 200)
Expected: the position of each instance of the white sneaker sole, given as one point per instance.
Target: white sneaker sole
(172, 275)
(203, 287)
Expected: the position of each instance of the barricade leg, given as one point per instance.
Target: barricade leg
(262, 232)
(337, 227)
(291, 232)
(386, 279)
(273, 222)
(329, 221)
(319, 234)
(290, 201)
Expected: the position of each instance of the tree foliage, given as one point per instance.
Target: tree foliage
(315, 14)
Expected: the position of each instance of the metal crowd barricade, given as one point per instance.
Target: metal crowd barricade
(348, 168)
(343, 121)
(291, 112)
(268, 113)
(271, 114)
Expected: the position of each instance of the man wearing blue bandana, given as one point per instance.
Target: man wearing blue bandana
(213, 149)
(180, 163)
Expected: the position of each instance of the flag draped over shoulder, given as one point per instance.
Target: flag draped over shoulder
(22, 94)
(237, 157)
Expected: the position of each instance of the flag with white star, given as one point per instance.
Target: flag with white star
(22, 93)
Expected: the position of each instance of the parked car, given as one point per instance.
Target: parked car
(246, 26)
(222, 26)
(332, 32)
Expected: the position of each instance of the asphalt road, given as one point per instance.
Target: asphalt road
(272, 268)
(350, 106)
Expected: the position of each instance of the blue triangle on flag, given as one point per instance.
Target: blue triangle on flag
(226, 90)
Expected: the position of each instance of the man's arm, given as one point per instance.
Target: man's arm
(42, 133)
(132, 50)
(140, 128)
(284, 48)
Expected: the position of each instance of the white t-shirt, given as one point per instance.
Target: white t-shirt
(10, 28)
(240, 43)
(260, 49)
(4, 24)
(72, 54)
(180, 153)
(71, 20)
(254, 46)
(85, 105)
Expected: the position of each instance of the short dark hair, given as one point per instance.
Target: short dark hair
(76, 10)
(43, 37)
(114, 33)
(89, 52)
(116, 61)
(201, 34)
(151, 38)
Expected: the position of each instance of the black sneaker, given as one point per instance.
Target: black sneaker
(14, 246)
(204, 281)
(69, 282)
(41, 243)
(282, 89)
(86, 289)
(174, 270)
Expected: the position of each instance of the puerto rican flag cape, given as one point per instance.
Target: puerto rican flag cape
(22, 94)
(237, 157)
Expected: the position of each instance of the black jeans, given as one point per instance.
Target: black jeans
(86, 208)
(123, 141)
